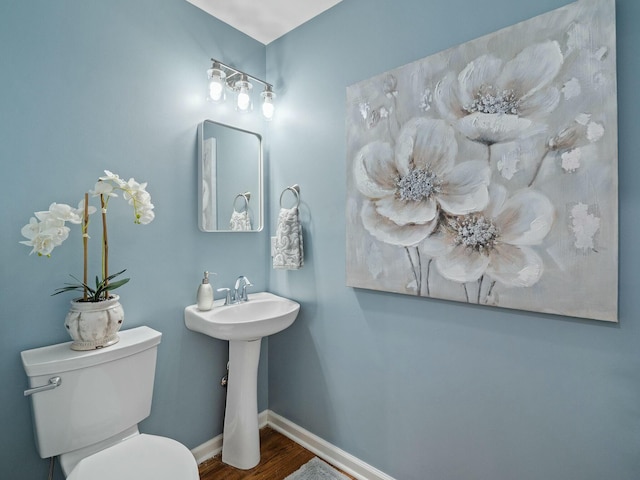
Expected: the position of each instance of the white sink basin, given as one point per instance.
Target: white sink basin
(264, 314)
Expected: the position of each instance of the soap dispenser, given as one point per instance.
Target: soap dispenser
(204, 296)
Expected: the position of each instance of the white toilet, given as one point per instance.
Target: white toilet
(91, 418)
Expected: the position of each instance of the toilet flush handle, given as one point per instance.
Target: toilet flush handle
(53, 383)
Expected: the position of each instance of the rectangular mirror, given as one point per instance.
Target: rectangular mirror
(229, 179)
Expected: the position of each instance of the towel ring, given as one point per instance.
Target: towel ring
(246, 196)
(295, 189)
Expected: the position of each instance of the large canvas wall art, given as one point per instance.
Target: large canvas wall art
(487, 173)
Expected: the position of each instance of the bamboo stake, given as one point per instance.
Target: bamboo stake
(85, 244)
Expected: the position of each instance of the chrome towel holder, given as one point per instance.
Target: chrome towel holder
(295, 189)
(246, 196)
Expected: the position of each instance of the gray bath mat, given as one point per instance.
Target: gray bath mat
(316, 469)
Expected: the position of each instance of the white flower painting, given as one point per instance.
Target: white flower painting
(487, 173)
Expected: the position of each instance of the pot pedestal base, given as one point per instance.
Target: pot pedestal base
(94, 325)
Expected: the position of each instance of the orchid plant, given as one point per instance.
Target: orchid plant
(48, 230)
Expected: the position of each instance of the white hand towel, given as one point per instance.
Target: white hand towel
(240, 221)
(288, 253)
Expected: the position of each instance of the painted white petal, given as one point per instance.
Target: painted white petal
(482, 72)
(540, 104)
(436, 147)
(526, 218)
(447, 99)
(437, 244)
(490, 128)
(389, 232)
(374, 170)
(462, 264)
(405, 213)
(532, 69)
(464, 190)
(426, 144)
(515, 266)
(497, 197)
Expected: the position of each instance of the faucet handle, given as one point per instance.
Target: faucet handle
(227, 300)
(242, 280)
(244, 296)
(240, 289)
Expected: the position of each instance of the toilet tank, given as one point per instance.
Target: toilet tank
(103, 392)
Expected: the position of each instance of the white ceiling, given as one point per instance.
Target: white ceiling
(264, 20)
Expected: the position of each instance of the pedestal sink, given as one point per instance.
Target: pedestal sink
(243, 325)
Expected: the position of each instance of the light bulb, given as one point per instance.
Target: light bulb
(243, 87)
(216, 82)
(244, 100)
(216, 89)
(268, 108)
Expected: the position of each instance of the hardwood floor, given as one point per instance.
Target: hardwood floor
(279, 458)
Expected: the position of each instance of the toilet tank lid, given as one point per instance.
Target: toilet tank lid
(60, 358)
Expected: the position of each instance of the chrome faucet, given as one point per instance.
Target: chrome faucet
(240, 289)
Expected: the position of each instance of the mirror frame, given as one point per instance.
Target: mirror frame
(259, 212)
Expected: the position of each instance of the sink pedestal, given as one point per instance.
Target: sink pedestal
(241, 438)
(243, 325)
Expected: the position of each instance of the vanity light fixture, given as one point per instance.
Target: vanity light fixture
(223, 77)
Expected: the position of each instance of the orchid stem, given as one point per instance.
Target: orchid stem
(105, 246)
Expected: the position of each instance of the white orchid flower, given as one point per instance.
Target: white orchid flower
(47, 229)
(31, 229)
(80, 210)
(112, 177)
(103, 188)
(64, 212)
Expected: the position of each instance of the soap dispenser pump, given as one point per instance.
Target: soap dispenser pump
(204, 296)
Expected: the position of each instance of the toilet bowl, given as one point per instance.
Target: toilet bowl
(89, 416)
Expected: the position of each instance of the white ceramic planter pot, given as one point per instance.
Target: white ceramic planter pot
(94, 324)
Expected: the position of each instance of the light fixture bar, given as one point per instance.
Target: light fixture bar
(223, 76)
(235, 71)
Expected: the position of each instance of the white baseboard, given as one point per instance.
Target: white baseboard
(323, 449)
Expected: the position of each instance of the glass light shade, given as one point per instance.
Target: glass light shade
(243, 101)
(216, 84)
(268, 108)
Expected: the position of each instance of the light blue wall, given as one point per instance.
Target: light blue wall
(89, 85)
(430, 389)
(418, 388)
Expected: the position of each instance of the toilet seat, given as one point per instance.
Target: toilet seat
(141, 456)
